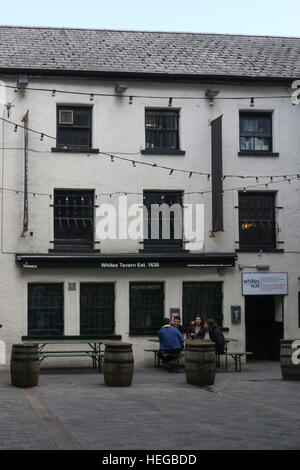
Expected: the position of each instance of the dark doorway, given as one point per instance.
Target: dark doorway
(263, 333)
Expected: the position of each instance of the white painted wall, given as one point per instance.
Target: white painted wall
(119, 127)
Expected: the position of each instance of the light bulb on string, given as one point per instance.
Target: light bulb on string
(42, 137)
(112, 159)
(170, 102)
(16, 128)
(53, 92)
(252, 103)
(191, 174)
(171, 172)
(130, 99)
(134, 164)
(92, 97)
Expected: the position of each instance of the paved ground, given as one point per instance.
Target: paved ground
(73, 409)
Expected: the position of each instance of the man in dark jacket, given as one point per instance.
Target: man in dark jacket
(171, 340)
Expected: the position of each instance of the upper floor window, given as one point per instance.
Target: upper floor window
(163, 220)
(256, 132)
(73, 219)
(74, 129)
(162, 131)
(257, 224)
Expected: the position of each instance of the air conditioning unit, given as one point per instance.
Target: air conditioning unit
(66, 116)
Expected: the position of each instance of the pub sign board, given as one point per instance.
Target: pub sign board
(265, 283)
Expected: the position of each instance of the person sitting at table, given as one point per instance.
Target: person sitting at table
(177, 324)
(196, 329)
(171, 341)
(216, 336)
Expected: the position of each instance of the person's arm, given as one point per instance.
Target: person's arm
(189, 331)
(181, 338)
(202, 333)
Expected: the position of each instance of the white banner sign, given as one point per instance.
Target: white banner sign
(265, 283)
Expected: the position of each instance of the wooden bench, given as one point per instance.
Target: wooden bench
(237, 356)
(97, 357)
(93, 342)
(176, 357)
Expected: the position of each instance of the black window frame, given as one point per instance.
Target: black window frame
(58, 323)
(107, 322)
(61, 145)
(260, 227)
(135, 327)
(74, 219)
(160, 197)
(162, 133)
(254, 151)
(208, 309)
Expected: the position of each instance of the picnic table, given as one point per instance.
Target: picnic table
(237, 356)
(93, 349)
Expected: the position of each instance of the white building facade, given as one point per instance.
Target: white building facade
(90, 134)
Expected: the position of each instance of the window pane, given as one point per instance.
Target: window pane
(45, 309)
(162, 129)
(97, 308)
(164, 231)
(257, 223)
(73, 218)
(247, 143)
(82, 117)
(262, 144)
(146, 307)
(203, 299)
(78, 134)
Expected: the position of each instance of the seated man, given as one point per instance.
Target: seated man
(171, 341)
(177, 324)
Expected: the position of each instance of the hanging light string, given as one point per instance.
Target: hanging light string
(129, 193)
(134, 163)
(17, 126)
(92, 94)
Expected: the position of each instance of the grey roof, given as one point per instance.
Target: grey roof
(142, 52)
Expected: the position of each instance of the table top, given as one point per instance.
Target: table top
(227, 340)
(66, 341)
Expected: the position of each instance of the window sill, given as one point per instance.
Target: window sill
(75, 250)
(257, 250)
(162, 249)
(162, 152)
(73, 150)
(256, 153)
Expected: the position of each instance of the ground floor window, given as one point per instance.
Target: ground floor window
(146, 307)
(97, 308)
(204, 299)
(45, 309)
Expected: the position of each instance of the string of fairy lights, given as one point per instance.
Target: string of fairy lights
(92, 95)
(121, 156)
(117, 156)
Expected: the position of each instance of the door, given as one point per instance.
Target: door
(263, 332)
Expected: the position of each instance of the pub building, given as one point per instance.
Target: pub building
(151, 117)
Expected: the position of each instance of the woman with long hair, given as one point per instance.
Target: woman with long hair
(196, 329)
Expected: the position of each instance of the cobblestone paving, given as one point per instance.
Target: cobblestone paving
(254, 409)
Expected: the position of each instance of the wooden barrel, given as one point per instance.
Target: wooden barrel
(24, 365)
(289, 370)
(200, 363)
(118, 364)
